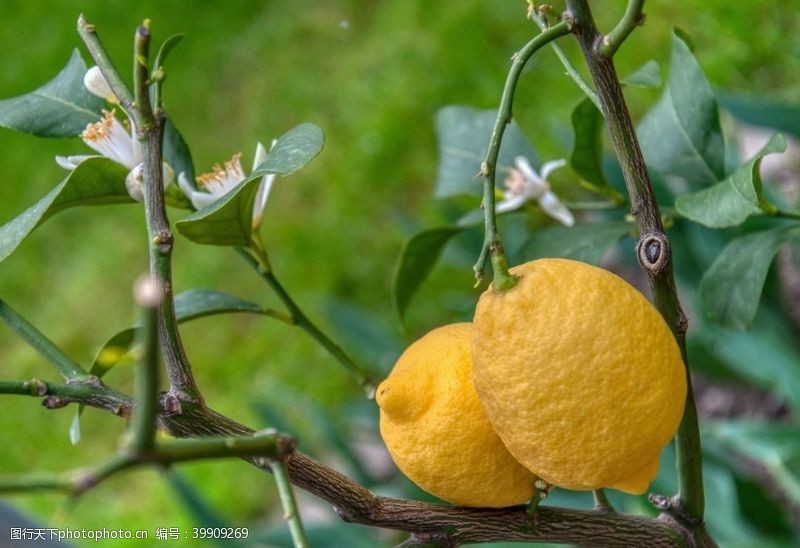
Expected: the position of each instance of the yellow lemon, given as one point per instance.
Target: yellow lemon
(579, 375)
(435, 429)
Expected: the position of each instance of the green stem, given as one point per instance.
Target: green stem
(492, 243)
(257, 258)
(572, 72)
(144, 425)
(68, 368)
(653, 249)
(632, 18)
(290, 511)
(89, 36)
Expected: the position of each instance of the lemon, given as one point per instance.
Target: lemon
(435, 429)
(579, 375)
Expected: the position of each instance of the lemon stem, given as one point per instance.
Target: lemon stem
(492, 243)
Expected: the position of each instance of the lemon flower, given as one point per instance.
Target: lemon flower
(222, 179)
(112, 140)
(523, 184)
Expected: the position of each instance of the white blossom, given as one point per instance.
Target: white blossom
(523, 184)
(96, 83)
(110, 138)
(223, 178)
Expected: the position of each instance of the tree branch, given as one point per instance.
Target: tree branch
(653, 248)
(633, 17)
(149, 126)
(90, 391)
(492, 243)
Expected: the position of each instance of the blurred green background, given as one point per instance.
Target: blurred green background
(371, 75)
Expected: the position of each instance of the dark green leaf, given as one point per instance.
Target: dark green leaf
(417, 258)
(681, 135)
(176, 152)
(731, 201)
(60, 108)
(731, 288)
(584, 242)
(96, 181)
(463, 135)
(228, 221)
(767, 113)
(587, 149)
(646, 76)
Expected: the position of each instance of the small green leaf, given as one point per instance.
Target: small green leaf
(587, 149)
(199, 303)
(417, 258)
(293, 150)
(731, 201)
(731, 288)
(60, 108)
(681, 135)
(228, 221)
(96, 181)
(165, 49)
(584, 242)
(176, 152)
(463, 135)
(647, 76)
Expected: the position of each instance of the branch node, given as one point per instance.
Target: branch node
(653, 252)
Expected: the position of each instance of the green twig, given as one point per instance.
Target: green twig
(601, 502)
(290, 512)
(68, 368)
(88, 34)
(143, 426)
(257, 258)
(89, 391)
(633, 17)
(572, 72)
(492, 243)
(653, 248)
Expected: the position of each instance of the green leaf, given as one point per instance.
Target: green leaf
(228, 221)
(587, 149)
(165, 49)
(767, 113)
(463, 134)
(417, 258)
(647, 76)
(681, 135)
(585, 242)
(189, 305)
(60, 108)
(199, 303)
(293, 150)
(731, 201)
(96, 181)
(176, 152)
(731, 288)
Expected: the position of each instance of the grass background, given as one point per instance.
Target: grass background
(372, 75)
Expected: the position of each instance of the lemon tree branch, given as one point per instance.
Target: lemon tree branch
(492, 243)
(149, 125)
(653, 247)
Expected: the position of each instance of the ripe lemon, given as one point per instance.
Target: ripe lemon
(579, 375)
(436, 431)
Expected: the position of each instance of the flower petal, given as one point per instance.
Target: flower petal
(551, 166)
(510, 204)
(96, 83)
(133, 183)
(525, 167)
(71, 162)
(551, 205)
